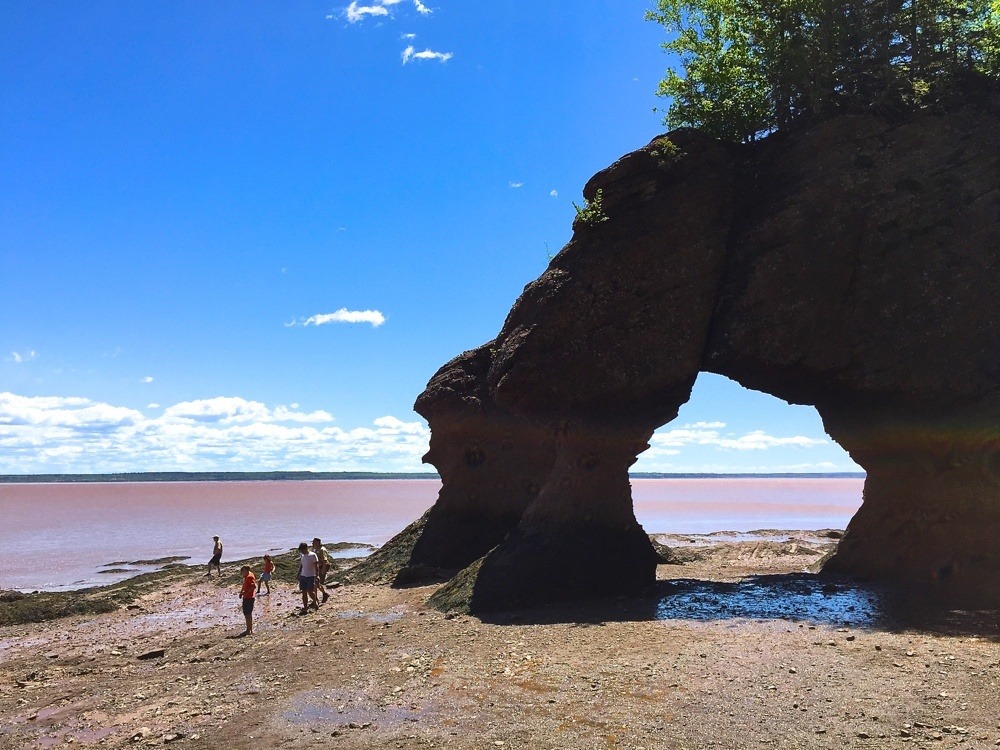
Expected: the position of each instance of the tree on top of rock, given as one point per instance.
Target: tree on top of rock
(749, 67)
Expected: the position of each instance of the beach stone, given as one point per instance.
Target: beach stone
(851, 264)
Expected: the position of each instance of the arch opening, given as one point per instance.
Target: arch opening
(735, 459)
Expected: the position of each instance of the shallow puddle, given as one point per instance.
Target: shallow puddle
(342, 710)
(806, 598)
(382, 617)
(76, 736)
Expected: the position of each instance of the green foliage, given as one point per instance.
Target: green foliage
(665, 151)
(591, 212)
(721, 90)
(748, 67)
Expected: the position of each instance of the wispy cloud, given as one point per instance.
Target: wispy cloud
(421, 8)
(410, 54)
(669, 441)
(355, 12)
(147, 379)
(516, 185)
(66, 434)
(343, 315)
(554, 193)
(408, 36)
(711, 447)
(20, 358)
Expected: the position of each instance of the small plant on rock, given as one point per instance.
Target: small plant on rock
(665, 151)
(591, 212)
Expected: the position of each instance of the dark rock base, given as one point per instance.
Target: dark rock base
(548, 564)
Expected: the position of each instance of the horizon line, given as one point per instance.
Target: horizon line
(306, 474)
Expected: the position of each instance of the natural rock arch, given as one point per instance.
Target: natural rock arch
(852, 265)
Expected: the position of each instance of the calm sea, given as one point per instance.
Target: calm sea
(60, 536)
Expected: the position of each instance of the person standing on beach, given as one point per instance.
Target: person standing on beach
(265, 576)
(247, 594)
(308, 568)
(216, 557)
(324, 565)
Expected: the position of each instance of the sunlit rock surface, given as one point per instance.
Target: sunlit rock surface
(852, 265)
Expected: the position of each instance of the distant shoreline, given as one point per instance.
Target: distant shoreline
(296, 476)
(208, 476)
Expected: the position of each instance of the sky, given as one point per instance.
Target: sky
(241, 236)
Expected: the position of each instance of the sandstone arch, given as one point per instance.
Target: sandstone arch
(852, 265)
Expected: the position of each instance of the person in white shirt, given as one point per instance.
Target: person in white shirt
(308, 570)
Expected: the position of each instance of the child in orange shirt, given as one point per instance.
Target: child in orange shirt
(265, 576)
(247, 594)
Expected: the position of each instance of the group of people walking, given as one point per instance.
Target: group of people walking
(314, 564)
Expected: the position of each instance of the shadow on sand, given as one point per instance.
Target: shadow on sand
(822, 600)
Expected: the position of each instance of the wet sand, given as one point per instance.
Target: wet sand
(735, 648)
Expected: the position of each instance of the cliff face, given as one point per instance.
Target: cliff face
(852, 266)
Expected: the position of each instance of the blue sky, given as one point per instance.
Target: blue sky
(243, 235)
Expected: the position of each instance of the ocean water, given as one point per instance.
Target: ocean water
(61, 536)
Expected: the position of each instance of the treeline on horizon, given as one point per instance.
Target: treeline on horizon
(272, 476)
(751, 67)
(211, 476)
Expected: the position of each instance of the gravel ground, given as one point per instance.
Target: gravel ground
(736, 648)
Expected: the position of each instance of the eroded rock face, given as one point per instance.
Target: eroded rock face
(852, 266)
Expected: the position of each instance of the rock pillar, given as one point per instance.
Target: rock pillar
(931, 512)
(579, 538)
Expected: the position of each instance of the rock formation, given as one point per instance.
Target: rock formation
(851, 265)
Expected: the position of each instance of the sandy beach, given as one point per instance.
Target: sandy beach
(736, 647)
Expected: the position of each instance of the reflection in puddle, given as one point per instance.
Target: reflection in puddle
(823, 600)
(355, 614)
(769, 598)
(81, 736)
(347, 710)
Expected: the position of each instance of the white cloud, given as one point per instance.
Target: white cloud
(19, 358)
(410, 54)
(56, 434)
(231, 410)
(516, 185)
(153, 406)
(355, 12)
(343, 315)
(421, 8)
(687, 467)
(147, 379)
(668, 442)
(554, 193)
(408, 36)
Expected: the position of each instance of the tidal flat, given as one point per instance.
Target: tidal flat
(737, 645)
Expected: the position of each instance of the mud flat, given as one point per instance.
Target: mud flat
(736, 646)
